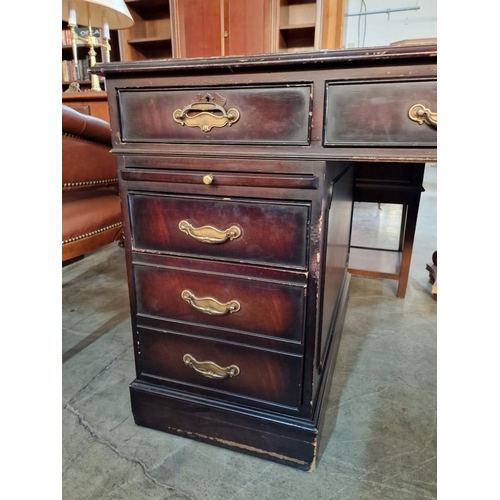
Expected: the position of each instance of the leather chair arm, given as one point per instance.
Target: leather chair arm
(85, 126)
(87, 161)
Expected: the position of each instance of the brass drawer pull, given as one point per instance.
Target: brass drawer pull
(209, 234)
(206, 112)
(210, 306)
(420, 114)
(210, 369)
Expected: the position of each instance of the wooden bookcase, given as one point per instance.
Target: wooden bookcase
(298, 22)
(166, 29)
(151, 35)
(309, 25)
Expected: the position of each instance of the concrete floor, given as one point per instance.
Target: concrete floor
(381, 413)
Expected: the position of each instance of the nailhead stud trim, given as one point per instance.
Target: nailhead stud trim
(92, 233)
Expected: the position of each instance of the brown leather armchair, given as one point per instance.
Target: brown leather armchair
(91, 212)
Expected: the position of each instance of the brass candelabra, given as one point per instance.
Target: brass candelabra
(91, 42)
(105, 14)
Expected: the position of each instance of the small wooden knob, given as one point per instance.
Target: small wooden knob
(208, 179)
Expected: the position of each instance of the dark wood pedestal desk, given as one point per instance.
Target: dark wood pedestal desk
(237, 179)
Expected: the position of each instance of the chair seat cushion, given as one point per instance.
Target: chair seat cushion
(86, 212)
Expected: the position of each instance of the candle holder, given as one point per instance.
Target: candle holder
(91, 42)
(105, 14)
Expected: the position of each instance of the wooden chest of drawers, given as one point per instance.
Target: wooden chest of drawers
(236, 179)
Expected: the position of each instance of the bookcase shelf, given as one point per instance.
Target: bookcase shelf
(150, 36)
(298, 38)
(299, 22)
(149, 41)
(149, 9)
(297, 26)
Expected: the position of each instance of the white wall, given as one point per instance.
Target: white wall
(382, 29)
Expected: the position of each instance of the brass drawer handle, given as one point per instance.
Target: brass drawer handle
(210, 234)
(209, 305)
(206, 112)
(420, 114)
(210, 369)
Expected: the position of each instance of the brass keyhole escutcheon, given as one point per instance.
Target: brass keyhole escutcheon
(206, 112)
(208, 179)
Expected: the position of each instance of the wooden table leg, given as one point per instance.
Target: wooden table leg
(409, 236)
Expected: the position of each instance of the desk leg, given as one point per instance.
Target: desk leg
(404, 215)
(409, 234)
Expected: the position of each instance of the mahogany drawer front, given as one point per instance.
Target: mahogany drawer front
(246, 305)
(377, 114)
(252, 231)
(208, 177)
(257, 115)
(252, 373)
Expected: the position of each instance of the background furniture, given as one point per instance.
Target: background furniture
(88, 103)
(203, 28)
(91, 213)
(236, 178)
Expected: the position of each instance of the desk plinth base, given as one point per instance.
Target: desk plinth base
(285, 439)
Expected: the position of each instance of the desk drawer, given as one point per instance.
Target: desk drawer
(252, 373)
(232, 115)
(220, 301)
(251, 231)
(377, 114)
